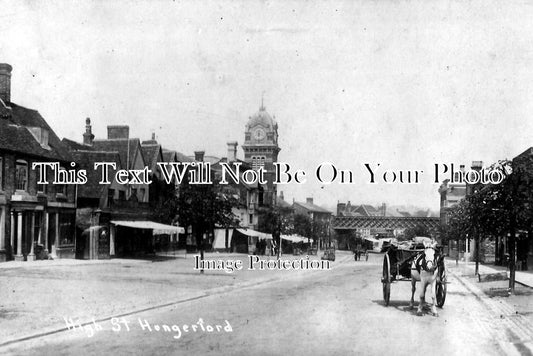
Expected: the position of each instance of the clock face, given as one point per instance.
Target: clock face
(259, 134)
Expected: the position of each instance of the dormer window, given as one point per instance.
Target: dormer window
(41, 135)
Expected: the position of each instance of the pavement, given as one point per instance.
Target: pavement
(523, 277)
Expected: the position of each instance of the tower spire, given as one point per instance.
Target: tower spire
(262, 108)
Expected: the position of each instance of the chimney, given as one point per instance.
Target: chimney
(383, 209)
(477, 165)
(341, 207)
(153, 136)
(88, 136)
(232, 151)
(5, 82)
(199, 156)
(309, 200)
(118, 132)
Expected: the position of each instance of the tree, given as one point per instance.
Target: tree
(204, 207)
(419, 230)
(303, 225)
(500, 209)
(512, 203)
(277, 221)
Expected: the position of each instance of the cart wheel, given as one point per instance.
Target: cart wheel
(385, 279)
(440, 291)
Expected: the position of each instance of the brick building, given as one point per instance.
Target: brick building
(31, 213)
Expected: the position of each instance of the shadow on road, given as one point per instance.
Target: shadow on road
(403, 306)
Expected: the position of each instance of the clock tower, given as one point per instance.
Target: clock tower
(261, 149)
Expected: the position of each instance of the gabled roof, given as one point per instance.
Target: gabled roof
(170, 156)
(15, 136)
(86, 160)
(152, 154)
(128, 149)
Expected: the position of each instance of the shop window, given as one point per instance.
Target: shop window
(66, 229)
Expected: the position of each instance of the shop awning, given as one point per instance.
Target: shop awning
(371, 239)
(260, 235)
(293, 238)
(157, 228)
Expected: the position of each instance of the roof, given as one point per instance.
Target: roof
(209, 159)
(262, 118)
(183, 158)
(312, 207)
(16, 137)
(151, 154)
(128, 149)
(86, 160)
(368, 222)
(282, 203)
(169, 156)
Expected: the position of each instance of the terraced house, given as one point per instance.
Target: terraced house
(33, 217)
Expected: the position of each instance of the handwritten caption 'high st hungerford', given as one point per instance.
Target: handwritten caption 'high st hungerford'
(200, 173)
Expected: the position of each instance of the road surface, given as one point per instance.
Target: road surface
(335, 312)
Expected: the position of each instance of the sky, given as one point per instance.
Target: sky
(403, 84)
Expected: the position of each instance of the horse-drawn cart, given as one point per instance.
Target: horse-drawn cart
(398, 266)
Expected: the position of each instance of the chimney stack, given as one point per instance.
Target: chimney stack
(5, 82)
(88, 136)
(153, 136)
(199, 156)
(309, 200)
(232, 151)
(477, 165)
(118, 132)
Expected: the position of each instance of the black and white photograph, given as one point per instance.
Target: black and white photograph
(266, 177)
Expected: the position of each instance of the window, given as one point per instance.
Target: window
(258, 162)
(41, 188)
(21, 175)
(121, 195)
(62, 188)
(110, 197)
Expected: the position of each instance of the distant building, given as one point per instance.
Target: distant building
(31, 213)
(360, 210)
(261, 150)
(103, 209)
(320, 217)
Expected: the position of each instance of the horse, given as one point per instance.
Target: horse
(424, 269)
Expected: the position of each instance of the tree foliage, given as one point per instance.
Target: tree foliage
(410, 233)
